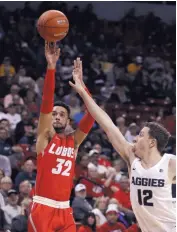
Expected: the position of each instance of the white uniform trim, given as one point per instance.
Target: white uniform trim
(51, 203)
(31, 220)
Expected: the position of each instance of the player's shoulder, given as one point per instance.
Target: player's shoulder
(170, 158)
(172, 167)
(169, 155)
(172, 161)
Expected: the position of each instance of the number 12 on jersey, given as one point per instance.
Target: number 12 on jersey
(144, 196)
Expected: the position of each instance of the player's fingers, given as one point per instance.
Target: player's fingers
(71, 84)
(75, 66)
(78, 62)
(81, 65)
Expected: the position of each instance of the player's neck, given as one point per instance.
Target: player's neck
(61, 134)
(151, 159)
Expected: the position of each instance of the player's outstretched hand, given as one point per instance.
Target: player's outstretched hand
(52, 54)
(78, 65)
(77, 85)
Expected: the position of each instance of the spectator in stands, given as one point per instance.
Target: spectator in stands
(27, 173)
(123, 193)
(93, 157)
(4, 123)
(8, 99)
(13, 116)
(30, 101)
(29, 135)
(96, 186)
(6, 185)
(1, 174)
(74, 105)
(131, 133)
(2, 202)
(2, 220)
(19, 223)
(120, 123)
(22, 79)
(20, 128)
(25, 189)
(133, 228)
(88, 223)
(66, 70)
(6, 68)
(5, 165)
(93, 183)
(81, 169)
(112, 224)
(118, 164)
(12, 209)
(80, 205)
(6, 148)
(120, 94)
(99, 210)
(136, 65)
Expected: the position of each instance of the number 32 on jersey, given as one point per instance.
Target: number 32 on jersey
(63, 167)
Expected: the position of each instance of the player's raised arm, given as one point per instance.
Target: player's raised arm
(87, 121)
(45, 128)
(113, 133)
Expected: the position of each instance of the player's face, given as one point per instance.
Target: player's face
(142, 143)
(59, 118)
(112, 217)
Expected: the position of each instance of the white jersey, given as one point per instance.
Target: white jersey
(151, 196)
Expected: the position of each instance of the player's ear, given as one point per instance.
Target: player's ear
(153, 143)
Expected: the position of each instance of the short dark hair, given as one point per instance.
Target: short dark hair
(4, 119)
(62, 104)
(159, 133)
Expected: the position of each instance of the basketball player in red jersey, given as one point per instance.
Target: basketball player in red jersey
(50, 211)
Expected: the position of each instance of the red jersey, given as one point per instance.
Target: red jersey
(123, 198)
(133, 228)
(55, 169)
(93, 190)
(84, 229)
(106, 227)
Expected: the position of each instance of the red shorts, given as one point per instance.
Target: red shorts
(48, 219)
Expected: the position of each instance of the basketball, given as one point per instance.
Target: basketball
(53, 25)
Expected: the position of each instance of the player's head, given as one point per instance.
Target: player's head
(60, 116)
(152, 136)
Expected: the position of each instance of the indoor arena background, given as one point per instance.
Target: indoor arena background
(129, 64)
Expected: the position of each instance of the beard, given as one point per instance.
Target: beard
(59, 130)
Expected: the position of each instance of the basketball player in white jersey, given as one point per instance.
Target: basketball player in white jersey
(151, 172)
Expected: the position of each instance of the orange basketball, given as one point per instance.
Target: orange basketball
(53, 25)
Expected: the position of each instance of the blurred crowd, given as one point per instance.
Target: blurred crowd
(129, 67)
